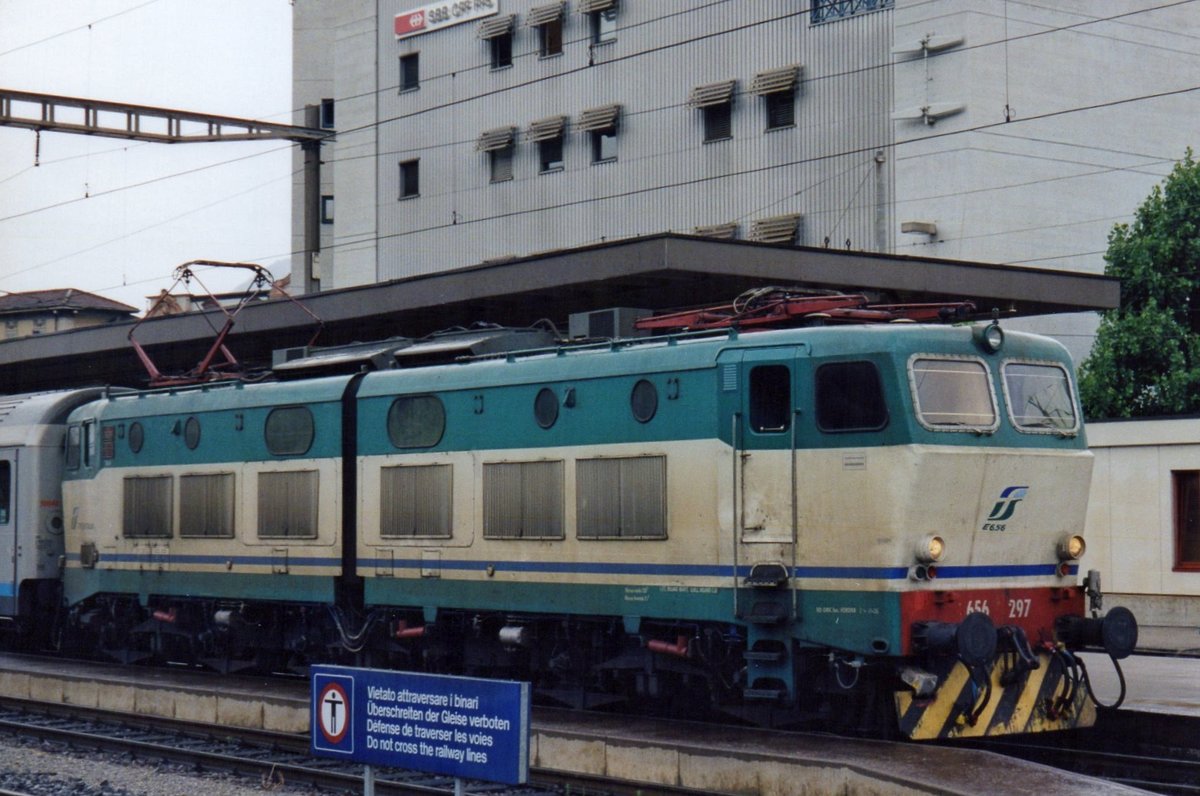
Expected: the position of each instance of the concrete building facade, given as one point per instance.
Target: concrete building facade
(1003, 131)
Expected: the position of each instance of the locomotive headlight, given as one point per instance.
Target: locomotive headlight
(930, 549)
(990, 338)
(1071, 548)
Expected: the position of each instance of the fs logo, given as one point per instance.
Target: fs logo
(1005, 507)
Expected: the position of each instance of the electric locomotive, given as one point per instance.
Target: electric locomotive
(863, 527)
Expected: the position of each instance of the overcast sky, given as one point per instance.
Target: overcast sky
(116, 217)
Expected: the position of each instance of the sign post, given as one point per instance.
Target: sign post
(464, 727)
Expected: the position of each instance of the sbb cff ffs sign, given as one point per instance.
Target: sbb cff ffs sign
(433, 16)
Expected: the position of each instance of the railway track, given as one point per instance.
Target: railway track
(1151, 751)
(262, 756)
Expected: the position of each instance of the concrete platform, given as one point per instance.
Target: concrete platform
(709, 758)
(1168, 684)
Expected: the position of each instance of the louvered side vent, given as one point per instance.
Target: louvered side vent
(775, 81)
(721, 231)
(491, 140)
(712, 94)
(544, 15)
(547, 129)
(777, 229)
(498, 26)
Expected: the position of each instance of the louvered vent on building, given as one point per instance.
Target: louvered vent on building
(499, 138)
(777, 229)
(544, 15)
(547, 129)
(776, 81)
(498, 26)
(592, 6)
(722, 231)
(712, 94)
(601, 118)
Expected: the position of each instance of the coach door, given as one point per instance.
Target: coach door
(764, 431)
(8, 531)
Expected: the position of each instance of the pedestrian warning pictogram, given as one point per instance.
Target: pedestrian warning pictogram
(331, 712)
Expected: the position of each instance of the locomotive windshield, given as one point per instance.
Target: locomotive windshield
(1039, 397)
(953, 394)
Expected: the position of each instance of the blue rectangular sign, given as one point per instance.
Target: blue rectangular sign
(458, 726)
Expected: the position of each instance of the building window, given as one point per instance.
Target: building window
(523, 500)
(499, 146)
(327, 114)
(777, 87)
(548, 134)
(5, 491)
(410, 72)
(1186, 484)
(501, 164)
(498, 33)
(829, 10)
(715, 102)
(410, 178)
(326, 209)
(602, 17)
(548, 20)
(601, 126)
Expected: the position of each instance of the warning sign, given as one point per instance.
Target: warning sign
(460, 726)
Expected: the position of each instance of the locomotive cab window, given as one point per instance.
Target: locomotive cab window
(953, 394)
(770, 399)
(850, 397)
(1039, 397)
(74, 434)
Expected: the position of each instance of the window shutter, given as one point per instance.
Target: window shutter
(601, 118)
(496, 27)
(499, 138)
(721, 231)
(712, 94)
(547, 129)
(593, 6)
(544, 15)
(776, 81)
(776, 229)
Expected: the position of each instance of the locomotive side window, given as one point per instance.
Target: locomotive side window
(137, 437)
(289, 431)
(643, 401)
(72, 444)
(770, 398)
(850, 397)
(191, 433)
(953, 394)
(5, 491)
(624, 498)
(545, 407)
(147, 509)
(415, 501)
(416, 421)
(523, 500)
(89, 443)
(1039, 397)
(206, 505)
(287, 504)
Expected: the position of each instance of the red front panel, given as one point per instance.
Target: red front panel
(1032, 610)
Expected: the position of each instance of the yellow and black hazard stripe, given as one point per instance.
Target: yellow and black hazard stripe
(1038, 700)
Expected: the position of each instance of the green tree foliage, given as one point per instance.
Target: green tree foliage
(1146, 360)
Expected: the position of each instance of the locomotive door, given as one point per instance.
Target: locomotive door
(764, 431)
(8, 531)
